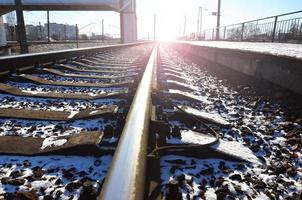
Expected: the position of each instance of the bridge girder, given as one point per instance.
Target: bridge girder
(40, 5)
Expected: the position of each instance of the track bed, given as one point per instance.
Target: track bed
(258, 153)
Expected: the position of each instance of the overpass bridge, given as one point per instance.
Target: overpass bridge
(126, 8)
(112, 5)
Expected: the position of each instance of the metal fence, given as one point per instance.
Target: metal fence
(280, 28)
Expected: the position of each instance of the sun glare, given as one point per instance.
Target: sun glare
(168, 33)
(168, 20)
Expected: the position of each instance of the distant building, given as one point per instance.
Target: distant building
(39, 32)
(34, 32)
(61, 31)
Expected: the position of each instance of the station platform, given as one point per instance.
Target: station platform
(278, 63)
(278, 49)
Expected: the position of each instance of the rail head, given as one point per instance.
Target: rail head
(8, 63)
(126, 177)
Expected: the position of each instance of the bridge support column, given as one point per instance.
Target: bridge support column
(128, 27)
(128, 21)
(3, 41)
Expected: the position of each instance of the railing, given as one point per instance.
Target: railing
(281, 28)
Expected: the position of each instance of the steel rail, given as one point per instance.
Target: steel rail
(8, 63)
(126, 177)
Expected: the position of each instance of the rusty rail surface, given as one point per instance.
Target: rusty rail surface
(126, 177)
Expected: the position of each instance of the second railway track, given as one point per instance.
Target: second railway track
(142, 121)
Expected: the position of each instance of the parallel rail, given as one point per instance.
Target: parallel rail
(126, 178)
(8, 63)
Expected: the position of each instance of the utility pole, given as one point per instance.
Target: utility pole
(199, 23)
(218, 20)
(103, 30)
(21, 27)
(185, 24)
(37, 32)
(197, 31)
(77, 35)
(65, 32)
(154, 33)
(40, 31)
(48, 27)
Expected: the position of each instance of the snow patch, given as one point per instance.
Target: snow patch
(216, 118)
(237, 149)
(198, 98)
(52, 142)
(210, 194)
(191, 137)
(72, 114)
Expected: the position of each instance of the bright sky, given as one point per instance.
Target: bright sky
(170, 15)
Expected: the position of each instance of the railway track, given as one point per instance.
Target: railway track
(142, 121)
(60, 122)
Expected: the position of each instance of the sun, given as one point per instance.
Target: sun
(168, 33)
(169, 20)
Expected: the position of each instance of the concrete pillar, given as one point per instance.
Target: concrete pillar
(128, 21)
(3, 41)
